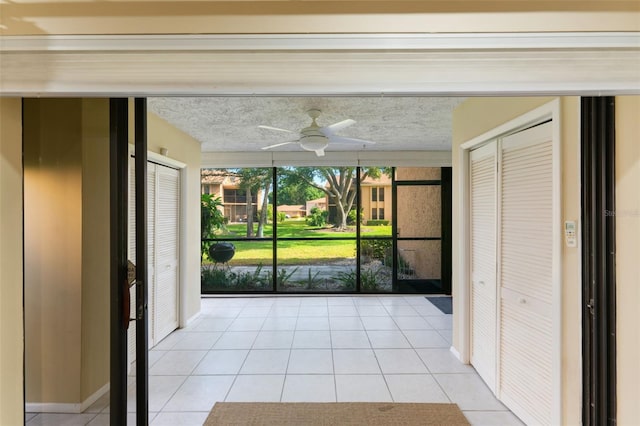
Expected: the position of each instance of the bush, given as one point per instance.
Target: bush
(317, 218)
(378, 222)
(377, 249)
(216, 279)
(281, 216)
(352, 217)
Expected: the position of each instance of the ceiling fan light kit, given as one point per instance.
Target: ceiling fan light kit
(315, 138)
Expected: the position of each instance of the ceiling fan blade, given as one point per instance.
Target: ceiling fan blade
(339, 139)
(277, 129)
(331, 129)
(278, 144)
(320, 152)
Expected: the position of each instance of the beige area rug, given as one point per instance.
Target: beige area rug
(334, 413)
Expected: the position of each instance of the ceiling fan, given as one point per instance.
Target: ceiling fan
(315, 138)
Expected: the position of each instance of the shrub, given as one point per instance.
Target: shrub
(377, 222)
(369, 279)
(347, 279)
(352, 217)
(376, 249)
(317, 217)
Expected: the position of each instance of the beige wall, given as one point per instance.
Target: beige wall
(184, 148)
(95, 246)
(53, 249)
(627, 257)
(11, 327)
(479, 115)
(320, 16)
(66, 176)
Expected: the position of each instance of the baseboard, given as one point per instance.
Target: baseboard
(51, 407)
(55, 407)
(94, 397)
(192, 319)
(455, 353)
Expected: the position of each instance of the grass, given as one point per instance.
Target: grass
(298, 252)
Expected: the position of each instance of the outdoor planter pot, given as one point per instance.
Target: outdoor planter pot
(222, 252)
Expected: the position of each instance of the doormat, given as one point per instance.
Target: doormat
(442, 302)
(333, 413)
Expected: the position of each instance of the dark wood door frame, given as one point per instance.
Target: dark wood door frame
(598, 260)
(118, 166)
(119, 281)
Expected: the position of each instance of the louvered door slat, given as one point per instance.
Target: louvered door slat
(167, 242)
(483, 262)
(151, 243)
(526, 267)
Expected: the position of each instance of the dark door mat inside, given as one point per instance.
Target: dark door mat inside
(442, 302)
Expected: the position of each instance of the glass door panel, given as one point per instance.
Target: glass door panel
(419, 266)
(418, 227)
(327, 265)
(419, 211)
(237, 230)
(376, 264)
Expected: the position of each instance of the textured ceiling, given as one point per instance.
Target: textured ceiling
(231, 123)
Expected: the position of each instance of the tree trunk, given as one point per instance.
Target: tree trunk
(263, 212)
(249, 213)
(341, 219)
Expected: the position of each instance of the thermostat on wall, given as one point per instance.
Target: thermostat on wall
(570, 233)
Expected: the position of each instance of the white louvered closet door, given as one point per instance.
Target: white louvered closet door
(131, 334)
(152, 190)
(165, 317)
(526, 275)
(151, 202)
(483, 184)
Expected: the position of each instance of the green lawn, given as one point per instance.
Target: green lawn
(298, 252)
(297, 228)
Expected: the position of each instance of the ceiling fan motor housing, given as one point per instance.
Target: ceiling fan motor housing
(312, 139)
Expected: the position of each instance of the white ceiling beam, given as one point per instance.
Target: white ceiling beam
(428, 64)
(310, 42)
(335, 158)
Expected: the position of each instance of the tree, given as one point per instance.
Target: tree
(252, 180)
(293, 191)
(339, 187)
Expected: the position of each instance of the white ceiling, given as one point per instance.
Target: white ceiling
(230, 124)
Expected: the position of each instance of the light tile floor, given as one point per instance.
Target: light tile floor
(304, 349)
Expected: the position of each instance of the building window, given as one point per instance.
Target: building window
(374, 214)
(207, 189)
(380, 213)
(377, 194)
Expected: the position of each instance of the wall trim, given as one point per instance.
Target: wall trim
(321, 64)
(55, 407)
(457, 354)
(235, 42)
